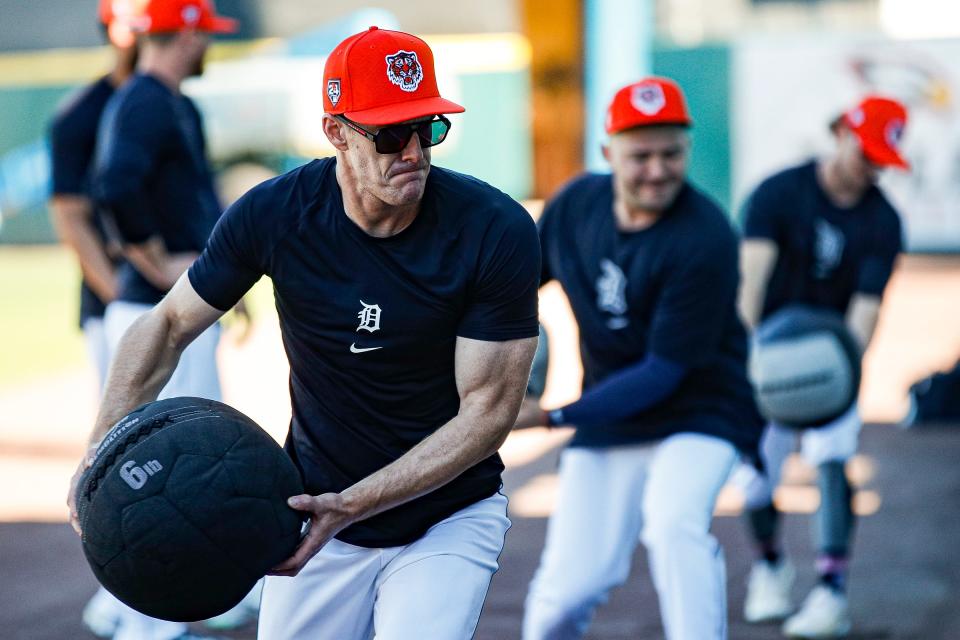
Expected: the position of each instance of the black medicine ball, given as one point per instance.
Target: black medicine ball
(805, 367)
(184, 508)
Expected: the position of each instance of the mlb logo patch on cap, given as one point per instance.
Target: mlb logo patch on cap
(333, 91)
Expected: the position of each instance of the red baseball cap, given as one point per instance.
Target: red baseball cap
(879, 123)
(163, 16)
(651, 101)
(117, 16)
(383, 77)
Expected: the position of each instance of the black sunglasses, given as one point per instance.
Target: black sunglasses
(393, 138)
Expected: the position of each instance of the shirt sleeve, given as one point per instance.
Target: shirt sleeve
(69, 157)
(128, 143)
(697, 297)
(503, 303)
(761, 213)
(877, 266)
(234, 258)
(624, 394)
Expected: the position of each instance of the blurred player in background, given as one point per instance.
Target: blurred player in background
(152, 178)
(649, 265)
(73, 136)
(821, 234)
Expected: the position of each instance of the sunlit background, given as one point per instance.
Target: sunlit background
(762, 77)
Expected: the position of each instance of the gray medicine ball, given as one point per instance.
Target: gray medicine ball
(805, 367)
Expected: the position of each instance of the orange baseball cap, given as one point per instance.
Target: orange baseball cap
(383, 77)
(879, 123)
(162, 16)
(651, 101)
(117, 16)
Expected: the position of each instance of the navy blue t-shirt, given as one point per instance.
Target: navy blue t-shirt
(669, 290)
(826, 254)
(152, 175)
(370, 324)
(73, 137)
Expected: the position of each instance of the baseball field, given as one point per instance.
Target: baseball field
(903, 578)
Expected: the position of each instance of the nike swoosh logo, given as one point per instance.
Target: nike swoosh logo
(355, 349)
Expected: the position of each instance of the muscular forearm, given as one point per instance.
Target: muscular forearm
(491, 378)
(146, 358)
(467, 439)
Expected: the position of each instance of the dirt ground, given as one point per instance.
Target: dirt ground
(905, 576)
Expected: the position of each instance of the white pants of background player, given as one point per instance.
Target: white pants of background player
(106, 606)
(196, 375)
(431, 588)
(835, 442)
(611, 498)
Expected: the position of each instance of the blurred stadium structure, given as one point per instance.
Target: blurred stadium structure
(763, 78)
(262, 103)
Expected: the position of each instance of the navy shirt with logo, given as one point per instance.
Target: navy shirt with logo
(826, 253)
(152, 175)
(73, 138)
(668, 290)
(370, 324)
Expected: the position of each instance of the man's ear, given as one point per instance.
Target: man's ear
(335, 132)
(605, 149)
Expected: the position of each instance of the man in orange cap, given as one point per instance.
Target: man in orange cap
(823, 235)
(407, 297)
(73, 135)
(649, 265)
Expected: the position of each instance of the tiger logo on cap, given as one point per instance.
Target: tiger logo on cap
(404, 70)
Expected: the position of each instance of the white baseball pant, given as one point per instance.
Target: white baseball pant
(610, 498)
(431, 588)
(95, 336)
(196, 374)
(836, 441)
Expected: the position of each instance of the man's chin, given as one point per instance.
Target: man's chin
(657, 203)
(407, 192)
